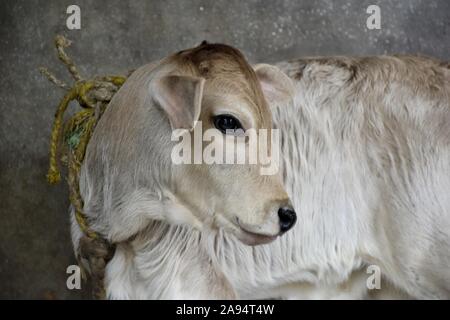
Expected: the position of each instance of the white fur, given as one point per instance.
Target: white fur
(366, 163)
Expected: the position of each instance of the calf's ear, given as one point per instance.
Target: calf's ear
(277, 87)
(180, 97)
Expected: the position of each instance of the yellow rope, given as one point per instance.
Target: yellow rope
(77, 133)
(69, 141)
(53, 175)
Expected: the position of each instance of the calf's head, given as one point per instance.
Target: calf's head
(130, 174)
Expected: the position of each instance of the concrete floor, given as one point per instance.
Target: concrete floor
(116, 36)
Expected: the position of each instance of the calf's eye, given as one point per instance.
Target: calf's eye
(226, 122)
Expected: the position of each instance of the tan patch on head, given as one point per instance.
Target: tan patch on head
(226, 72)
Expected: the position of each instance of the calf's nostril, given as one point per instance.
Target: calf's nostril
(287, 218)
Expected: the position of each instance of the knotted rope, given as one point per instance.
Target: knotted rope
(69, 141)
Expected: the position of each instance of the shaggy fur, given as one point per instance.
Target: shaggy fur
(366, 162)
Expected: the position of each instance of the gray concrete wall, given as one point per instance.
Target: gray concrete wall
(120, 35)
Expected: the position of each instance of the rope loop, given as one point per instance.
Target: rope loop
(68, 143)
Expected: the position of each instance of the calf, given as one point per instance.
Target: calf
(365, 158)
